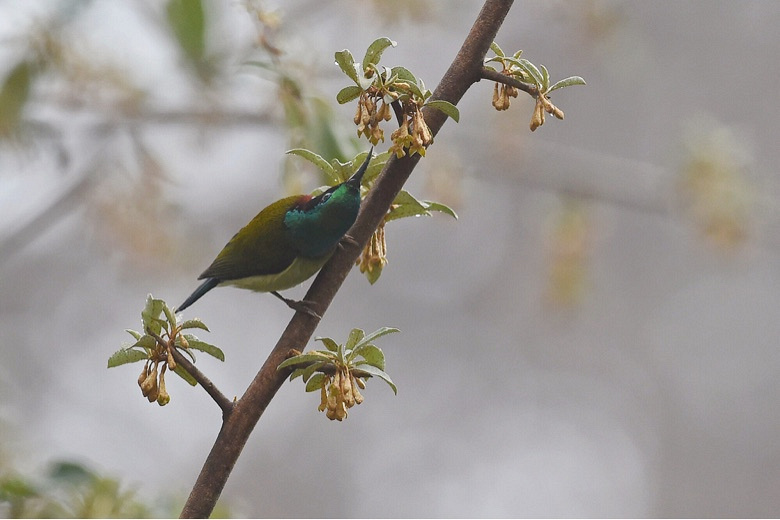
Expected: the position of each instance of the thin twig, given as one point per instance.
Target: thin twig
(225, 404)
(494, 75)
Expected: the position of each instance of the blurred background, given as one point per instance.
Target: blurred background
(596, 335)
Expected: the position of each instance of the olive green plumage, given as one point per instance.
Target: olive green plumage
(286, 243)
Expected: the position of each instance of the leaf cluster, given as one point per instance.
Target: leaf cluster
(340, 369)
(377, 88)
(162, 334)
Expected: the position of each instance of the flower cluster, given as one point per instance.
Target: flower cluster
(530, 78)
(156, 349)
(378, 89)
(374, 256)
(413, 134)
(501, 95)
(371, 110)
(340, 393)
(341, 371)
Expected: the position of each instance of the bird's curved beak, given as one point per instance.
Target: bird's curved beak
(357, 177)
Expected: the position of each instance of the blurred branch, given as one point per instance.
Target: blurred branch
(464, 71)
(59, 203)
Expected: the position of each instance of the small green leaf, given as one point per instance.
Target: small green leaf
(373, 356)
(188, 22)
(151, 314)
(136, 335)
(346, 62)
(309, 357)
(14, 94)
(406, 205)
(347, 94)
(355, 335)
(517, 54)
(182, 373)
(126, 355)
(404, 75)
(317, 160)
(568, 82)
(329, 344)
(532, 71)
(381, 374)
(309, 370)
(441, 208)
(445, 106)
(495, 48)
(194, 324)
(378, 333)
(316, 382)
(169, 315)
(208, 348)
(545, 78)
(375, 50)
(146, 341)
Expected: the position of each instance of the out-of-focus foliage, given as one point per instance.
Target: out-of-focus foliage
(714, 184)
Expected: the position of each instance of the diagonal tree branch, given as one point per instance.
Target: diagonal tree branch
(464, 71)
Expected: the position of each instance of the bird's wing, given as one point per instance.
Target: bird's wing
(259, 248)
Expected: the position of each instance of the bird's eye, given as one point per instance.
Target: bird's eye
(325, 197)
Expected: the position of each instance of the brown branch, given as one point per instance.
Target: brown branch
(494, 75)
(225, 404)
(464, 71)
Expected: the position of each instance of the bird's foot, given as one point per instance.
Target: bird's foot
(304, 306)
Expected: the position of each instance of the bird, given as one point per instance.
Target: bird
(286, 243)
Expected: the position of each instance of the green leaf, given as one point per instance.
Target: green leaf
(568, 82)
(372, 355)
(355, 335)
(406, 205)
(381, 374)
(146, 342)
(309, 357)
(194, 324)
(188, 22)
(208, 348)
(347, 94)
(329, 343)
(317, 160)
(182, 373)
(532, 71)
(445, 106)
(307, 372)
(545, 78)
(126, 355)
(375, 50)
(13, 96)
(378, 333)
(316, 382)
(151, 314)
(346, 62)
(441, 208)
(495, 48)
(169, 315)
(136, 335)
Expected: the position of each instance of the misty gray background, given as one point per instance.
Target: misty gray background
(654, 393)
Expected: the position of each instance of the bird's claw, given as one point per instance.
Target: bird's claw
(304, 306)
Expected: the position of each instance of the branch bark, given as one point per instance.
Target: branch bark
(465, 70)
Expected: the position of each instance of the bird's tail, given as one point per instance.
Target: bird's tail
(205, 287)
